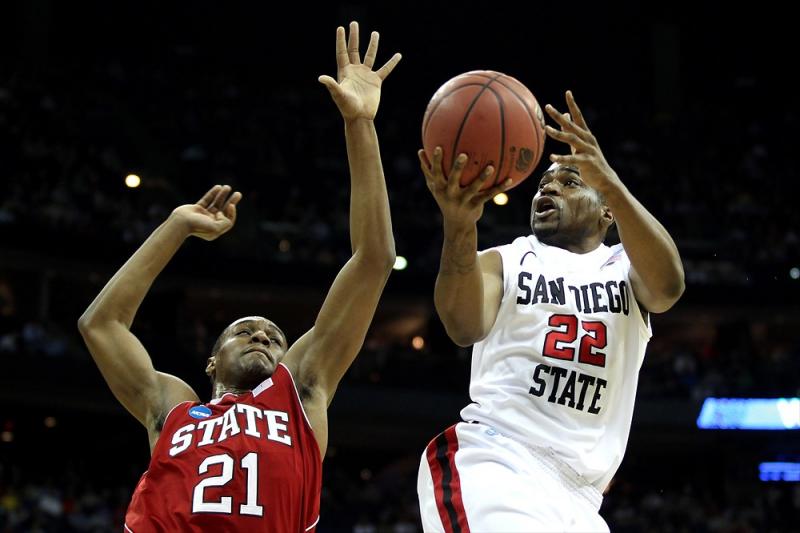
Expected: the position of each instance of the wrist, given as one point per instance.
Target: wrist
(354, 122)
(178, 223)
(613, 190)
(456, 228)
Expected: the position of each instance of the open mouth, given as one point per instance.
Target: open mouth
(545, 206)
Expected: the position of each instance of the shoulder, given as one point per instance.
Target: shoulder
(508, 256)
(615, 254)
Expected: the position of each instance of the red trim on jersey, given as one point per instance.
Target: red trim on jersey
(441, 455)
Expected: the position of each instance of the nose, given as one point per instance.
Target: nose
(551, 187)
(260, 336)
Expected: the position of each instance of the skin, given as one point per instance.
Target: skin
(577, 201)
(250, 348)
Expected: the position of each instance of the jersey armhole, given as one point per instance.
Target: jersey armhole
(643, 321)
(297, 395)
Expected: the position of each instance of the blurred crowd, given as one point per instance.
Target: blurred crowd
(709, 163)
(70, 135)
(688, 358)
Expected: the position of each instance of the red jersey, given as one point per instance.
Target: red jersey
(246, 462)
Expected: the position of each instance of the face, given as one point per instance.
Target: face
(249, 351)
(565, 211)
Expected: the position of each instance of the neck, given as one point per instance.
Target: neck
(576, 246)
(221, 389)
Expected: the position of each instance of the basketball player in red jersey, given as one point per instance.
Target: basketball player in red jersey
(559, 322)
(250, 459)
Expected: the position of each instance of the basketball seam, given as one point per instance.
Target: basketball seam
(539, 145)
(464, 120)
(502, 135)
(441, 99)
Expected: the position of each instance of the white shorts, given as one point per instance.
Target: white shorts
(471, 478)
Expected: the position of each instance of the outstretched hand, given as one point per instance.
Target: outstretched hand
(357, 88)
(586, 154)
(459, 205)
(213, 215)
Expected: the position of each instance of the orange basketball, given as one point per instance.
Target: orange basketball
(492, 118)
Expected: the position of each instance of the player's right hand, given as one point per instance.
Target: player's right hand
(459, 205)
(357, 87)
(212, 215)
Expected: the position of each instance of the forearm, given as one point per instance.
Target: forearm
(647, 243)
(123, 294)
(370, 221)
(458, 294)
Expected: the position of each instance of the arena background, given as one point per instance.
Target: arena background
(694, 107)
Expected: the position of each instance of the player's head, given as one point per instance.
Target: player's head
(246, 353)
(567, 213)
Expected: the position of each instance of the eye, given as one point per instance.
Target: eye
(244, 331)
(275, 340)
(572, 181)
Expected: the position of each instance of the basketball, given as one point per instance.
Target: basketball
(491, 117)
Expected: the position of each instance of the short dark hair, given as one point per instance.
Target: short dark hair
(219, 341)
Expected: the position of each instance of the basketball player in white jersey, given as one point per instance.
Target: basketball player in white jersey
(559, 323)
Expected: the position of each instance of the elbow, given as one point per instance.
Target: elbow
(85, 323)
(668, 297)
(462, 334)
(674, 291)
(389, 258)
(462, 340)
(463, 337)
(89, 322)
(379, 261)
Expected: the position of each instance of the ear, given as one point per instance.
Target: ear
(606, 217)
(211, 367)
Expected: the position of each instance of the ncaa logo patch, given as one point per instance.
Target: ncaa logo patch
(200, 412)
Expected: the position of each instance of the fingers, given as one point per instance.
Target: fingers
(423, 158)
(208, 197)
(352, 44)
(342, 59)
(333, 87)
(219, 198)
(434, 179)
(229, 209)
(387, 69)
(576, 111)
(576, 143)
(571, 160)
(479, 182)
(372, 49)
(454, 179)
(563, 119)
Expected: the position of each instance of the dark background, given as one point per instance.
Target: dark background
(694, 107)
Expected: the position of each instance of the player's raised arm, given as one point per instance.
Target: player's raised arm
(105, 325)
(482, 133)
(657, 274)
(469, 286)
(323, 355)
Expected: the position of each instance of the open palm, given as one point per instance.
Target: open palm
(357, 88)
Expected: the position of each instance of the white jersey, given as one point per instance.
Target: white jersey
(560, 365)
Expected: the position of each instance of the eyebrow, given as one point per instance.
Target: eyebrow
(271, 328)
(571, 170)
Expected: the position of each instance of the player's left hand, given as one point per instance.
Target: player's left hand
(585, 154)
(357, 88)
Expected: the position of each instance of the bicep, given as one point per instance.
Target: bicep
(646, 298)
(491, 265)
(128, 370)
